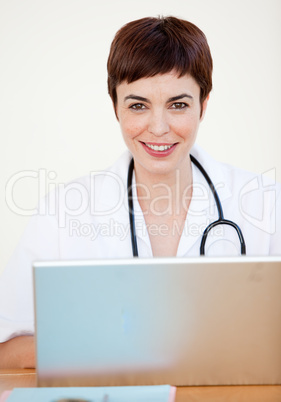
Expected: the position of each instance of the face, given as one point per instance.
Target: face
(159, 118)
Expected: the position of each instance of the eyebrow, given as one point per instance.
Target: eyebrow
(172, 99)
(135, 97)
(175, 98)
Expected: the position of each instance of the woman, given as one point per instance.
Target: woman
(159, 79)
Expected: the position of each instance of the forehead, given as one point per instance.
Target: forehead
(160, 85)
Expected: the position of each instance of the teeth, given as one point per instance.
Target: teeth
(159, 147)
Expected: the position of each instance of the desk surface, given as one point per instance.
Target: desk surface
(10, 379)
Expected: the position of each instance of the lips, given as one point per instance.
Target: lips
(159, 147)
(158, 150)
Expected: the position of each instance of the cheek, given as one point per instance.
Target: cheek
(131, 127)
(185, 126)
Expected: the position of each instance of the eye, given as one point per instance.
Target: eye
(179, 105)
(137, 106)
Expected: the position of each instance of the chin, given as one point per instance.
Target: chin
(158, 167)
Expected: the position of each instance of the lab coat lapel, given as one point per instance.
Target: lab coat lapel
(202, 210)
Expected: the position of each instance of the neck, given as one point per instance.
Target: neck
(164, 193)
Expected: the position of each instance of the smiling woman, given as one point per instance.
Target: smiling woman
(159, 80)
(159, 130)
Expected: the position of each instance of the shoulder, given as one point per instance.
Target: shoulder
(118, 170)
(236, 180)
(251, 200)
(95, 188)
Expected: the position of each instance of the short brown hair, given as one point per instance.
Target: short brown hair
(151, 46)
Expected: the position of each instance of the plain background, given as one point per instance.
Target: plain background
(56, 115)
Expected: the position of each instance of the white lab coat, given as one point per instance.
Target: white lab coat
(88, 218)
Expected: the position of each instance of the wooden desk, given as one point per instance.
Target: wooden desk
(10, 379)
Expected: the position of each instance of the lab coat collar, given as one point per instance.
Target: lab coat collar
(202, 209)
(202, 197)
(111, 190)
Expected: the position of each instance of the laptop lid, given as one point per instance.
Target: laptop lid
(201, 321)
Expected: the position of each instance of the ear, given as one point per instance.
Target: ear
(204, 107)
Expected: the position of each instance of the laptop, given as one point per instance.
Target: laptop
(197, 321)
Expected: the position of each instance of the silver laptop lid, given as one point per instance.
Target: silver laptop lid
(202, 321)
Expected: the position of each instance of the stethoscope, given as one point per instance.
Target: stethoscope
(219, 221)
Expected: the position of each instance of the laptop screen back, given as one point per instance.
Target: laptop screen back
(200, 321)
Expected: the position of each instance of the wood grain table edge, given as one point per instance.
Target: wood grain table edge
(22, 378)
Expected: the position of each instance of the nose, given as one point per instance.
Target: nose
(158, 124)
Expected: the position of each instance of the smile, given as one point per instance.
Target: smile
(159, 147)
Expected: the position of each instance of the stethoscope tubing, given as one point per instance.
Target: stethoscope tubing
(219, 221)
(131, 209)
